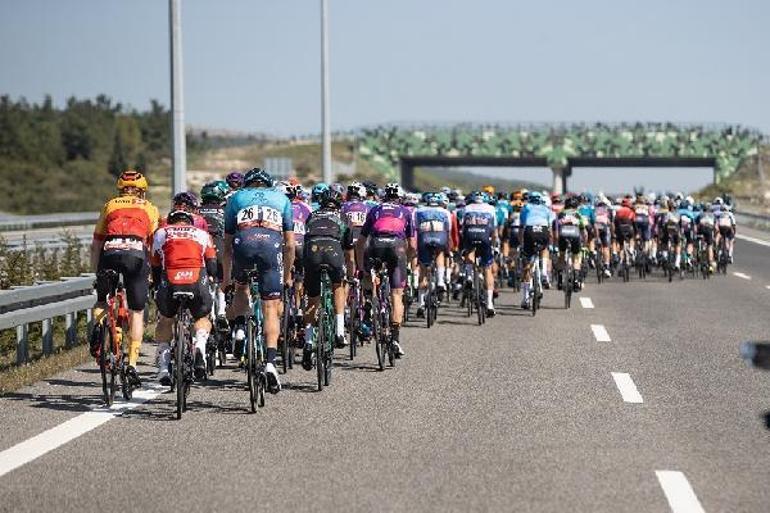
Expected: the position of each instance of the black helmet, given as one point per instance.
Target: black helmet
(176, 216)
(258, 176)
(572, 202)
(188, 199)
(330, 198)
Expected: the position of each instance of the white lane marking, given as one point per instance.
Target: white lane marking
(680, 495)
(627, 387)
(600, 333)
(752, 239)
(586, 302)
(767, 287)
(31, 449)
(742, 276)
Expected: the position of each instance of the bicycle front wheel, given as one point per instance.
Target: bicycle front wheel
(106, 367)
(251, 367)
(179, 373)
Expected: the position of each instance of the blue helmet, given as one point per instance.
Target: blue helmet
(475, 197)
(318, 189)
(433, 199)
(258, 176)
(535, 198)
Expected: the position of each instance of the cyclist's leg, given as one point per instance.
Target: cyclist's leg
(312, 285)
(136, 272)
(167, 308)
(200, 308)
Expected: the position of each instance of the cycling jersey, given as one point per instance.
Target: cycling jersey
(258, 218)
(479, 223)
(127, 217)
(433, 225)
(587, 211)
(214, 215)
(323, 247)
(300, 214)
(537, 215)
(354, 215)
(388, 220)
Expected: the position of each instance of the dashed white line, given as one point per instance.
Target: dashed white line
(31, 449)
(742, 276)
(586, 302)
(627, 387)
(767, 287)
(680, 495)
(600, 333)
(752, 239)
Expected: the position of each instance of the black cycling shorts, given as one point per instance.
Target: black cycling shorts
(299, 258)
(322, 252)
(263, 255)
(624, 232)
(605, 235)
(707, 233)
(134, 267)
(536, 239)
(727, 232)
(669, 233)
(391, 251)
(199, 307)
(351, 237)
(572, 240)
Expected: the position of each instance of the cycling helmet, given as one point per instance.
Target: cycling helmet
(176, 216)
(371, 188)
(572, 202)
(215, 191)
(330, 198)
(443, 199)
(489, 189)
(535, 197)
(556, 197)
(318, 189)
(356, 190)
(234, 180)
(294, 191)
(718, 201)
(258, 176)
(446, 190)
(392, 191)
(433, 199)
(283, 186)
(187, 199)
(626, 202)
(131, 178)
(452, 195)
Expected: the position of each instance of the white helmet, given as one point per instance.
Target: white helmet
(719, 201)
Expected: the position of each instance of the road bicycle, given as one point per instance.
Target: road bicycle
(381, 314)
(256, 351)
(112, 357)
(355, 316)
(182, 352)
(324, 346)
(289, 328)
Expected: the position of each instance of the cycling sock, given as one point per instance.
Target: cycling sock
(525, 291)
(340, 325)
(422, 297)
(490, 296)
(133, 352)
(309, 334)
(164, 355)
(201, 337)
(98, 314)
(394, 330)
(221, 303)
(271, 352)
(440, 271)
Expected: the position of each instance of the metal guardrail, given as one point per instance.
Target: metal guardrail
(48, 243)
(22, 306)
(48, 221)
(759, 221)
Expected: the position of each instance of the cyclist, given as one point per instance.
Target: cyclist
(121, 242)
(726, 222)
(235, 181)
(670, 222)
(479, 233)
(354, 212)
(324, 237)
(625, 219)
(433, 224)
(386, 235)
(569, 228)
(259, 235)
(586, 209)
(315, 195)
(214, 197)
(189, 202)
(557, 203)
(604, 228)
(643, 222)
(300, 215)
(687, 227)
(183, 257)
(514, 225)
(536, 220)
(705, 224)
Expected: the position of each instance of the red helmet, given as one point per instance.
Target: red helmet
(626, 202)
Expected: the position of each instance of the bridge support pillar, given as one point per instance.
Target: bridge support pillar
(559, 180)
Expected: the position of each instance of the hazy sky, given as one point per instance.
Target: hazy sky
(255, 64)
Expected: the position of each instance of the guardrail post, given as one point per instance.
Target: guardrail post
(22, 337)
(71, 324)
(89, 321)
(47, 334)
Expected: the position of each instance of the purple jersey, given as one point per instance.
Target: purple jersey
(389, 220)
(301, 212)
(354, 213)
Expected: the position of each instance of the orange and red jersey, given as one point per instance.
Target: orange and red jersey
(625, 215)
(127, 217)
(182, 251)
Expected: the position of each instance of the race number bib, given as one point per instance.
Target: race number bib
(259, 216)
(356, 219)
(431, 226)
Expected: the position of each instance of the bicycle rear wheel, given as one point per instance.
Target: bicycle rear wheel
(251, 366)
(353, 322)
(179, 372)
(478, 298)
(105, 364)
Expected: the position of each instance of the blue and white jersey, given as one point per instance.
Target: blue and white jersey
(588, 213)
(502, 211)
(430, 220)
(536, 215)
(253, 211)
(686, 218)
(478, 218)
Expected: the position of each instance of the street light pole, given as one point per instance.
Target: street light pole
(325, 114)
(179, 179)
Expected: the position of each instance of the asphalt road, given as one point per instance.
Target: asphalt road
(523, 414)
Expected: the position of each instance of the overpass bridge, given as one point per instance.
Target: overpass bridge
(398, 149)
